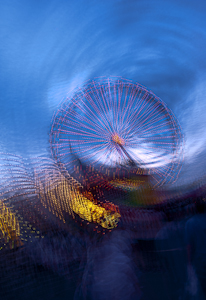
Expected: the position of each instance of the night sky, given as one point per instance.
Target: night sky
(48, 48)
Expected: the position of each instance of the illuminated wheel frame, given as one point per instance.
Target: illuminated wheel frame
(112, 122)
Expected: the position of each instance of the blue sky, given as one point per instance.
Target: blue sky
(48, 48)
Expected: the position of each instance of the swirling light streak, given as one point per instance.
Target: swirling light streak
(17, 195)
(62, 195)
(9, 228)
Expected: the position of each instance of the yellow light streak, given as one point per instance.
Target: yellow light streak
(9, 227)
(60, 195)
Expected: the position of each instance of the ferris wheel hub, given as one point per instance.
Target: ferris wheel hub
(118, 140)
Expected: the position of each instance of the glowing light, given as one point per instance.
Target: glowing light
(127, 184)
(64, 195)
(118, 140)
(9, 226)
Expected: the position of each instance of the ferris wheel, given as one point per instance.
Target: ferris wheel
(114, 122)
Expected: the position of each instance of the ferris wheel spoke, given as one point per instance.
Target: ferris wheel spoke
(86, 156)
(150, 114)
(90, 118)
(105, 111)
(129, 103)
(140, 125)
(100, 111)
(73, 129)
(149, 129)
(155, 120)
(163, 131)
(140, 108)
(117, 113)
(125, 106)
(94, 127)
(101, 104)
(133, 112)
(83, 131)
(118, 92)
(152, 119)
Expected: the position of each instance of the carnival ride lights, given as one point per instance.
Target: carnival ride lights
(127, 184)
(63, 198)
(9, 228)
(18, 216)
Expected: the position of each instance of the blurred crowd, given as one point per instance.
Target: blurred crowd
(162, 257)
